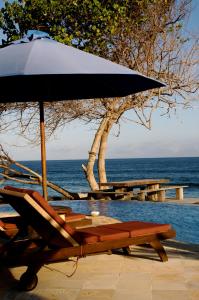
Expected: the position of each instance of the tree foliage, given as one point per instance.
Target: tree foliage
(86, 24)
(146, 35)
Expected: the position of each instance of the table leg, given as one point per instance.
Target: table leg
(162, 195)
(142, 194)
(179, 193)
(154, 196)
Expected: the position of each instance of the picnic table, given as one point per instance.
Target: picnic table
(152, 189)
(128, 185)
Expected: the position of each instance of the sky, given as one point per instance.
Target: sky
(177, 136)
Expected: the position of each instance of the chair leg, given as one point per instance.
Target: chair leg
(126, 250)
(28, 280)
(157, 246)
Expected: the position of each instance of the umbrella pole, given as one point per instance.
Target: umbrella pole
(43, 150)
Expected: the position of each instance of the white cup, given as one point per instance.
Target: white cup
(95, 213)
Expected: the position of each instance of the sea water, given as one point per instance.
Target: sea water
(180, 171)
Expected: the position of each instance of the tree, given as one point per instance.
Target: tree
(145, 35)
(84, 24)
(158, 48)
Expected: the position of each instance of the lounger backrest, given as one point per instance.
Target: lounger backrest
(2, 226)
(41, 216)
(44, 204)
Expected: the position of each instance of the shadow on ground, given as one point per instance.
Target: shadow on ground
(8, 288)
(174, 249)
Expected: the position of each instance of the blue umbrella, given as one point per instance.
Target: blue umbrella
(37, 68)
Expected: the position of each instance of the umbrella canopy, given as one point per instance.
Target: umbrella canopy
(43, 69)
(40, 69)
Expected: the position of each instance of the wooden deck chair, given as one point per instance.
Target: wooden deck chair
(58, 241)
(75, 219)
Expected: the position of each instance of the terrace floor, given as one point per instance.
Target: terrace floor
(140, 276)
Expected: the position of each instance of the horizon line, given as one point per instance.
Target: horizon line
(113, 158)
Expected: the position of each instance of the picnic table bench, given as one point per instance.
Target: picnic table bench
(99, 194)
(161, 192)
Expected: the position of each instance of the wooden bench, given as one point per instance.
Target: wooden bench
(160, 193)
(101, 194)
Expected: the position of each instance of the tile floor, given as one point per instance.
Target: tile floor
(140, 276)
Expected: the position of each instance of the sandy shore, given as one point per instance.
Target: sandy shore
(140, 276)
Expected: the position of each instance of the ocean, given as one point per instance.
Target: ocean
(180, 171)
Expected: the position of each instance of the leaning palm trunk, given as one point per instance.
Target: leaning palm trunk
(89, 168)
(102, 153)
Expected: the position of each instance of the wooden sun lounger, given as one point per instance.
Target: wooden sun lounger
(75, 219)
(58, 241)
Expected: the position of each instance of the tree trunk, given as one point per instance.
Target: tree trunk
(102, 153)
(89, 169)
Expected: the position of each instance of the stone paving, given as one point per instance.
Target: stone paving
(140, 276)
